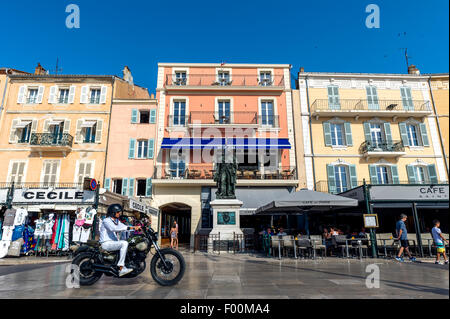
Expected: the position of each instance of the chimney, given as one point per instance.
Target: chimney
(127, 75)
(302, 70)
(413, 70)
(40, 70)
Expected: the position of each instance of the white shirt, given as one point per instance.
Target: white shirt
(436, 236)
(109, 229)
(21, 215)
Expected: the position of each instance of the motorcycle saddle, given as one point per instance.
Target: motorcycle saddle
(93, 243)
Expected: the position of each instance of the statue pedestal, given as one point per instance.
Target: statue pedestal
(226, 223)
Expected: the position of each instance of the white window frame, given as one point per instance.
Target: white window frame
(113, 185)
(58, 171)
(388, 171)
(272, 76)
(27, 97)
(415, 123)
(144, 155)
(174, 99)
(221, 99)
(25, 169)
(347, 176)
(229, 70)
(63, 88)
(94, 88)
(77, 170)
(174, 78)
(181, 155)
(136, 180)
(337, 121)
(275, 108)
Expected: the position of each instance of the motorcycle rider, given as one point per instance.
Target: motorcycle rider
(110, 240)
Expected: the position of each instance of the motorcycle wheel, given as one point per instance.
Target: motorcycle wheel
(87, 275)
(176, 267)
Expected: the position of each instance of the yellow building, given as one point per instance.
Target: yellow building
(374, 127)
(440, 98)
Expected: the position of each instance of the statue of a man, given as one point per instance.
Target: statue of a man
(225, 177)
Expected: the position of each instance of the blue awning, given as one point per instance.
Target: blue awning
(236, 143)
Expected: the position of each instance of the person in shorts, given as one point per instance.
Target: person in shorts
(402, 236)
(439, 242)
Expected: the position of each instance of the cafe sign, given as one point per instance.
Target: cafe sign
(53, 196)
(412, 193)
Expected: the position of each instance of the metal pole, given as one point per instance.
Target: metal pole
(372, 233)
(417, 226)
(9, 198)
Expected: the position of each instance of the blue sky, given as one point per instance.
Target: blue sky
(319, 35)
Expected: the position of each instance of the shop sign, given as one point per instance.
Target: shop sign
(3, 196)
(371, 221)
(53, 196)
(412, 193)
(140, 207)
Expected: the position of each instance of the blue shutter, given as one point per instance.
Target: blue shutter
(153, 116)
(151, 148)
(404, 134)
(132, 149)
(353, 176)
(432, 174)
(394, 174)
(124, 186)
(107, 183)
(411, 174)
(131, 188)
(148, 192)
(424, 134)
(348, 134)
(373, 174)
(367, 134)
(331, 180)
(134, 116)
(327, 133)
(388, 133)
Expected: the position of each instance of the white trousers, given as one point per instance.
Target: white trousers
(117, 245)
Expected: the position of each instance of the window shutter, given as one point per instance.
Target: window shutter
(40, 96)
(22, 94)
(34, 125)
(46, 126)
(13, 134)
(124, 186)
(153, 116)
(78, 135)
(404, 133)
(331, 180)
(367, 134)
(348, 134)
(406, 98)
(81, 172)
(424, 134)
(20, 172)
(148, 192)
(151, 148)
(394, 174)
(84, 94)
(14, 170)
(131, 151)
(134, 116)
(327, 133)
(103, 93)
(353, 176)
(98, 132)
(66, 129)
(72, 94)
(131, 188)
(388, 133)
(432, 174)
(373, 174)
(411, 174)
(107, 184)
(52, 98)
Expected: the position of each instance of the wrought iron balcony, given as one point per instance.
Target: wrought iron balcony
(214, 118)
(396, 148)
(50, 140)
(233, 81)
(269, 121)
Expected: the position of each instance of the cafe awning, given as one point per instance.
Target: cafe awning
(236, 143)
(305, 201)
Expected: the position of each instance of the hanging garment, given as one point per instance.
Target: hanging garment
(21, 216)
(8, 232)
(66, 233)
(40, 228)
(48, 229)
(61, 234)
(1, 229)
(90, 215)
(10, 216)
(80, 220)
(57, 234)
(55, 225)
(4, 246)
(29, 241)
(18, 232)
(76, 233)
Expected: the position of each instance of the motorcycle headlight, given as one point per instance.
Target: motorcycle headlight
(142, 246)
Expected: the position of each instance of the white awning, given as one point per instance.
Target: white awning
(88, 124)
(55, 122)
(23, 124)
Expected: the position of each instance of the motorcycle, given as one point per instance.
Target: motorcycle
(167, 266)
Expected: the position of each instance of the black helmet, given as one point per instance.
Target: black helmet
(113, 209)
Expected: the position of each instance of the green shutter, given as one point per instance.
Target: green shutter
(348, 134)
(134, 116)
(403, 134)
(124, 186)
(388, 133)
(153, 116)
(411, 174)
(331, 180)
(373, 174)
(394, 174)
(424, 134)
(353, 176)
(151, 148)
(148, 192)
(327, 133)
(131, 188)
(131, 151)
(107, 183)
(367, 134)
(432, 174)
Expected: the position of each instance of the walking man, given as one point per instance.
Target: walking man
(402, 236)
(439, 241)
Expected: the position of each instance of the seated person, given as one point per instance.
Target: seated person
(362, 233)
(281, 232)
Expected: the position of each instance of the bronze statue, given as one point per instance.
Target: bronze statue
(225, 177)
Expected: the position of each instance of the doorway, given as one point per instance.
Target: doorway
(180, 213)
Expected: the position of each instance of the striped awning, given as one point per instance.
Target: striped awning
(235, 143)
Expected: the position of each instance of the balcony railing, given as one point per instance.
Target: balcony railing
(322, 186)
(49, 139)
(234, 81)
(366, 105)
(198, 117)
(269, 120)
(370, 146)
(207, 171)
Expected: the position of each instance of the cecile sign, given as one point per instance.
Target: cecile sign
(55, 196)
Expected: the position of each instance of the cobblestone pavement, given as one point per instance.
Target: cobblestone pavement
(242, 277)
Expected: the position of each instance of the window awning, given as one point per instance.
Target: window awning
(55, 122)
(23, 124)
(86, 124)
(235, 143)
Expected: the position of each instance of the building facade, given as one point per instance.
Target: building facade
(207, 110)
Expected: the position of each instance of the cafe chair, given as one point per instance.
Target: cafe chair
(317, 245)
(289, 245)
(277, 245)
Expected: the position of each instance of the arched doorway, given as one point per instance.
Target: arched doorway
(180, 213)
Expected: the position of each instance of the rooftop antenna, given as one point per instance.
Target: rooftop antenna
(57, 69)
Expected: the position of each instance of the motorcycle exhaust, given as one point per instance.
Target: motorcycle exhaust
(105, 269)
